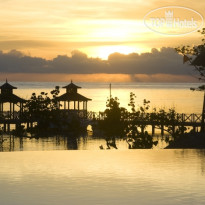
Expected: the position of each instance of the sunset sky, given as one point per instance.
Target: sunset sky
(96, 28)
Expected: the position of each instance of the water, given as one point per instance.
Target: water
(103, 177)
(68, 142)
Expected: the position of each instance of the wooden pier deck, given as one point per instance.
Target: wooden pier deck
(181, 119)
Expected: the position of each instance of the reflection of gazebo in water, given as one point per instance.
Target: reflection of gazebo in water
(7, 96)
(74, 103)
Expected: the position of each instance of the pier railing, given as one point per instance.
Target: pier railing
(150, 119)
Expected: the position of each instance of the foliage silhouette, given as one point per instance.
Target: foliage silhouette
(195, 55)
(136, 136)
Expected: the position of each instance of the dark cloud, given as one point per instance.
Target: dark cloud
(165, 61)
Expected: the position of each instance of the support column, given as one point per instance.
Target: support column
(74, 105)
(153, 129)
(86, 109)
(64, 105)
(10, 110)
(68, 105)
(78, 105)
(13, 110)
(2, 108)
(162, 130)
(203, 116)
(142, 129)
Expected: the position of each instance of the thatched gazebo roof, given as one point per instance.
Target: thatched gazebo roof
(71, 86)
(7, 86)
(72, 94)
(11, 98)
(7, 94)
(72, 97)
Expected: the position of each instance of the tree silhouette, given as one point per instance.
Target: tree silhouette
(195, 56)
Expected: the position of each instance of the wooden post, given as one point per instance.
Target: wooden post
(162, 130)
(78, 105)
(13, 110)
(142, 129)
(153, 129)
(10, 111)
(4, 127)
(68, 105)
(86, 107)
(203, 115)
(64, 105)
(74, 105)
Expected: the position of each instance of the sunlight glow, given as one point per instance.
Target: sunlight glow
(103, 52)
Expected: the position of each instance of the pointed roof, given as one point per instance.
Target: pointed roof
(72, 97)
(8, 86)
(11, 98)
(71, 85)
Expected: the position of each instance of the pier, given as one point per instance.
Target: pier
(186, 120)
(182, 119)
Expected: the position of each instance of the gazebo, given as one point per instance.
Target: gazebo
(7, 96)
(73, 101)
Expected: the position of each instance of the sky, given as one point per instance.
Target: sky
(94, 40)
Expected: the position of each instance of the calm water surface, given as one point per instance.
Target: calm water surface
(10, 143)
(103, 177)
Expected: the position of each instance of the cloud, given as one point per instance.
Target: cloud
(163, 61)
